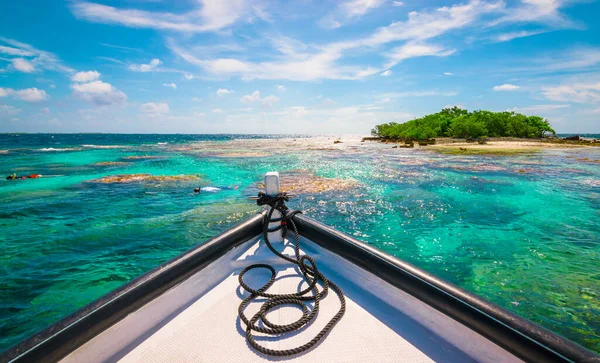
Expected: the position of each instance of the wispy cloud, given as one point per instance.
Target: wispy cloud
(506, 87)
(9, 110)
(413, 50)
(574, 58)
(170, 85)
(223, 91)
(212, 15)
(254, 97)
(419, 94)
(28, 94)
(348, 10)
(581, 92)
(23, 65)
(538, 11)
(297, 61)
(31, 59)
(505, 37)
(121, 47)
(155, 108)
(538, 108)
(112, 60)
(15, 51)
(425, 25)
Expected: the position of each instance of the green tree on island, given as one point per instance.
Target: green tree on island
(459, 123)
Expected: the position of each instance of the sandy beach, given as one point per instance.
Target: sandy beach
(497, 145)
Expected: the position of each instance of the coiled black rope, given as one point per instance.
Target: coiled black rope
(309, 272)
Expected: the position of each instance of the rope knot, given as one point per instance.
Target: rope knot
(308, 270)
(272, 201)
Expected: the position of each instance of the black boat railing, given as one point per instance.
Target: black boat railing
(517, 335)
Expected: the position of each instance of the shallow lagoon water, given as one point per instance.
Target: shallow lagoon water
(521, 231)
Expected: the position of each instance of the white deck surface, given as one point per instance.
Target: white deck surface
(197, 320)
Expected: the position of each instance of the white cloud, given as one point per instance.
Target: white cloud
(28, 94)
(419, 94)
(425, 25)
(574, 58)
(155, 108)
(326, 102)
(281, 88)
(354, 8)
(30, 58)
(330, 23)
(537, 108)
(412, 50)
(397, 3)
(386, 73)
(45, 110)
(32, 95)
(196, 99)
(154, 63)
(348, 10)
(505, 37)
(85, 76)
(189, 76)
(539, 11)
(300, 66)
(217, 111)
(170, 85)
(9, 110)
(301, 62)
(593, 111)
(213, 15)
(223, 91)
(255, 97)
(448, 74)
(121, 47)
(22, 65)
(270, 100)
(575, 92)
(506, 87)
(98, 92)
(15, 51)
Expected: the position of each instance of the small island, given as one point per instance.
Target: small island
(457, 130)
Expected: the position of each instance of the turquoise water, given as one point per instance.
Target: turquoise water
(521, 231)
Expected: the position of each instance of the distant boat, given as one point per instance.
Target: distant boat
(186, 310)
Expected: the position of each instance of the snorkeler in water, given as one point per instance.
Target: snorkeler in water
(214, 189)
(14, 176)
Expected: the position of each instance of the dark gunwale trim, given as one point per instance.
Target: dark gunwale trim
(66, 335)
(521, 337)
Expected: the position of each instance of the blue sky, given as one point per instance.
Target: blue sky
(217, 66)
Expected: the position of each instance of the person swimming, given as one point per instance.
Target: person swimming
(14, 176)
(214, 189)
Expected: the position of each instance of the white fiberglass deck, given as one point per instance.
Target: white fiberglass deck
(197, 320)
